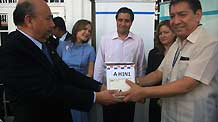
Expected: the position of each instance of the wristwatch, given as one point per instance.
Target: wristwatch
(137, 81)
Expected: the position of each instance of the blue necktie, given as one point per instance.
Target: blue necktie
(45, 51)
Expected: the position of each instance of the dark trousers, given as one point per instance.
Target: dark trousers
(30, 113)
(154, 110)
(120, 112)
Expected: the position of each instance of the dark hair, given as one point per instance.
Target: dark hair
(125, 10)
(60, 23)
(194, 4)
(21, 10)
(157, 42)
(78, 26)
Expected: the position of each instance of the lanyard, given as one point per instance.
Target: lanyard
(176, 56)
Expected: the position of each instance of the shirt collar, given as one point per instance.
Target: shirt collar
(37, 43)
(115, 36)
(63, 37)
(193, 37)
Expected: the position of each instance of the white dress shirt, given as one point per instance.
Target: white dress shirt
(63, 37)
(113, 49)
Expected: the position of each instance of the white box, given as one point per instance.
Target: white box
(117, 73)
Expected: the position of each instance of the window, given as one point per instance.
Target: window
(8, 1)
(55, 1)
(3, 21)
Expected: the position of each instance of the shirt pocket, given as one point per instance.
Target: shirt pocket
(182, 66)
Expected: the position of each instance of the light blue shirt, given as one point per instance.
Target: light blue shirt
(76, 56)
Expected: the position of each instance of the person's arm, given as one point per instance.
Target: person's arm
(90, 69)
(141, 62)
(99, 64)
(182, 86)
(150, 79)
(91, 63)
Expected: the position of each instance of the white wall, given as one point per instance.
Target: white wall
(75, 10)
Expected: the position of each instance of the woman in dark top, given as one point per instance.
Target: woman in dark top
(164, 38)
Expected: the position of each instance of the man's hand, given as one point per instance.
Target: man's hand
(106, 97)
(135, 93)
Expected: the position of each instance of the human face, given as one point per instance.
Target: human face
(84, 34)
(183, 20)
(123, 23)
(57, 32)
(42, 23)
(166, 36)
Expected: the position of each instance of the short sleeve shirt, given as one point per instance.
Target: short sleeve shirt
(197, 59)
(76, 56)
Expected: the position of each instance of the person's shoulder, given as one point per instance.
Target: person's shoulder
(14, 37)
(68, 36)
(63, 44)
(208, 34)
(203, 34)
(15, 34)
(16, 41)
(154, 50)
(135, 36)
(88, 46)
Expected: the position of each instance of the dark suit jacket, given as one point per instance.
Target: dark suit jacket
(68, 36)
(38, 90)
(53, 43)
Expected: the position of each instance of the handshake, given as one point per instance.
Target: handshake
(106, 97)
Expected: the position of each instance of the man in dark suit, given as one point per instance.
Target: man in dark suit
(60, 30)
(42, 90)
